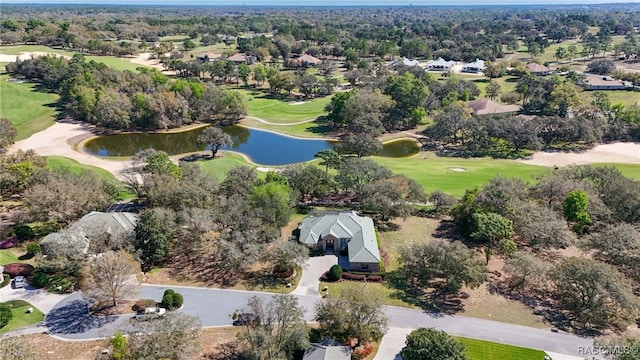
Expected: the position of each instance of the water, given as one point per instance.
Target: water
(262, 147)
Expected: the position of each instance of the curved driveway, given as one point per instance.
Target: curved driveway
(70, 320)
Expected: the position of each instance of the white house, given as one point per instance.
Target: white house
(440, 64)
(406, 62)
(474, 67)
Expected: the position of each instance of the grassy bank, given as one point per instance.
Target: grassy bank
(29, 110)
(486, 350)
(20, 316)
(58, 162)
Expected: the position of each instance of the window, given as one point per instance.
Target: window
(364, 266)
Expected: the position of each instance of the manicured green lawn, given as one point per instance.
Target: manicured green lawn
(623, 97)
(20, 316)
(631, 171)
(29, 110)
(7, 256)
(282, 110)
(485, 350)
(438, 173)
(384, 290)
(57, 162)
(115, 62)
(221, 165)
(310, 129)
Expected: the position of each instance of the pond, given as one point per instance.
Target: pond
(262, 147)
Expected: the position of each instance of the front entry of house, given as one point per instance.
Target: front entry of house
(330, 244)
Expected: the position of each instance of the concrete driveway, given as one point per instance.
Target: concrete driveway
(312, 270)
(39, 298)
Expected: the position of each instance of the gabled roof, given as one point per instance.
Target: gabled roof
(407, 62)
(306, 58)
(320, 352)
(486, 106)
(534, 68)
(78, 235)
(208, 55)
(477, 64)
(239, 57)
(363, 245)
(440, 62)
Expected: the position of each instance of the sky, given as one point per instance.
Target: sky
(318, 3)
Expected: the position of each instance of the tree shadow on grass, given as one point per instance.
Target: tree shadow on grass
(431, 301)
(205, 268)
(74, 318)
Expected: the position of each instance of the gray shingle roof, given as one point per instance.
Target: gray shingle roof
(363, 246)
(320, 352)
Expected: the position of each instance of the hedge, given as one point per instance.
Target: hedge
(39, 280)
(143, 304)
(18, 269)
(6, 280)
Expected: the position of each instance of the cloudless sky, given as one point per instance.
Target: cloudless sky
(318, 2)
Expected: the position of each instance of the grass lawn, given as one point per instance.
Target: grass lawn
(57, 162)
(388, 293)
(282, 110)
(310, 129)
(117, 63)
(435, 173)
(29, 110)
(486, 350)
(623, 97)
(20, 316)
(8, 256)
(631, 171)
(221, 165)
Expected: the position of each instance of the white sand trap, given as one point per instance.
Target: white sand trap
(626, 153)
(27, 55)
(297, 103)
(457, 169)
(266, 169)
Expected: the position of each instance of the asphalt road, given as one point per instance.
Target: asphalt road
(70, 319)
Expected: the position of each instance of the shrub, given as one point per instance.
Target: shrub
(374, 278)
(18, 269)
(6, 279)
(33, 248)
(143, 304)
(172, 300)
(356, 277)
(23, 232)
(39, 280)
(5, 315)
(335, 273)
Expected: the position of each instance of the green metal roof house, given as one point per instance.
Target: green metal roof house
(334, 232)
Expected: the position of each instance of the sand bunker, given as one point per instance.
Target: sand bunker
(457, 169)
(626, 153)
(297, 103)
(27, 55)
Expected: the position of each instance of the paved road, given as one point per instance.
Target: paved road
(70, 319)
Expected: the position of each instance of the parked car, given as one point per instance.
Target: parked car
(149, 313)
(19, 282)
(245, 319)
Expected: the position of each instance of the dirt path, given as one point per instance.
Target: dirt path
(625, 153)
(59, 139)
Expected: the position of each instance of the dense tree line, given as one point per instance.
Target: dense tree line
(461, 34)
(97, 94)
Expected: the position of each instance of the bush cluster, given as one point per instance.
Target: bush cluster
(335, 273)
(172, 300)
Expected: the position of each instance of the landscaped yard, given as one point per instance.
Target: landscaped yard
(117, 63)
(8, 256)
(389, 294)
(28, 109)
(282, 110)
(485, 350)
(17, 49)
(20, 316)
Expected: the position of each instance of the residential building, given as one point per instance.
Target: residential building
(341, 231)
(95, 226)
(440, 64)
(602, 82)
(207, 56)
(406, 62)
(474, 67)
(321, 352)
(538, 69)
(487, 107)
(242, 58)
(306, 60)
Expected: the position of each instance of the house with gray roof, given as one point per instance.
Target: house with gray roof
(95, 226)
(474, 67)
(406, 62)
(321, 352)
(343, 230)
(440, 64)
